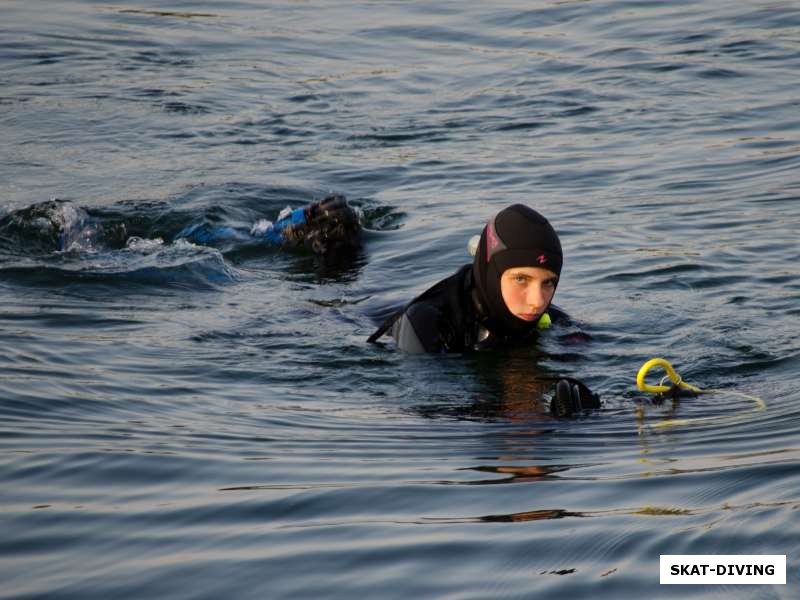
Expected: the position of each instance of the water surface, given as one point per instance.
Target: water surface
(179, 421)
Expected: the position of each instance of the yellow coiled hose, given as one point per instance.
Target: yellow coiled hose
(678, 381)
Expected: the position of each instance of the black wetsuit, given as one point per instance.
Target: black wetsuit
(448, 317)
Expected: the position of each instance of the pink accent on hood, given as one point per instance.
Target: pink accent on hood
(491, 241)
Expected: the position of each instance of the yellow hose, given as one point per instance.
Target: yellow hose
(678, 381)
(659, 389)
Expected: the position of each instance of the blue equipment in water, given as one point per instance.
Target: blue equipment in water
(321, 226)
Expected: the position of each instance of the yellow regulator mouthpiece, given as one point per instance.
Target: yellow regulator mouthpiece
(544, 322)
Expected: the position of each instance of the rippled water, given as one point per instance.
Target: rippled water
(198, 422)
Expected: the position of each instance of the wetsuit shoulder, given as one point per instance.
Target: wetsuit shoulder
(434, 321)
(421, 328)
(558, 315)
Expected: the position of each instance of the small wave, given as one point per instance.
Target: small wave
(143, 261)
(167, 13)
(160, 243)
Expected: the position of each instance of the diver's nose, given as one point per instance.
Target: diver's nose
(536, 298)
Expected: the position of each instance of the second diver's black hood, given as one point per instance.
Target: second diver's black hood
(517, 236)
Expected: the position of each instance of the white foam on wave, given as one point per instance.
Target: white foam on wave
(260, 227)
(71, 216)
(144, 245)
(72, 221)
(184, 244)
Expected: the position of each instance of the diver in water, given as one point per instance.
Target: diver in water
(504, 297)
(325, 227)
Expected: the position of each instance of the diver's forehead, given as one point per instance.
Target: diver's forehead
(532, 272)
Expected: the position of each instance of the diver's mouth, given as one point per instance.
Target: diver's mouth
(528, 316)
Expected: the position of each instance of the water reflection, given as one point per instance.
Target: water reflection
(166, 13)
(514, 385)
(531, 515)
(343, 266)
(519, 474)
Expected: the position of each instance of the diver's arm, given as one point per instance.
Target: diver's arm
(418, 329)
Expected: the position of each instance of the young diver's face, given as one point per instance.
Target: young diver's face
(527, 291)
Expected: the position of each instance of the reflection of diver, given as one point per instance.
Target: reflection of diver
(503, 298)
(324, 227)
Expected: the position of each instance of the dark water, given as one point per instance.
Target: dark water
(205, 422)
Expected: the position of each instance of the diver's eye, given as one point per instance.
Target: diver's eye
(550, 284)
(520, 279)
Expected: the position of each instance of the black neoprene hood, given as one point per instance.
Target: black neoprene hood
(517, 236)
